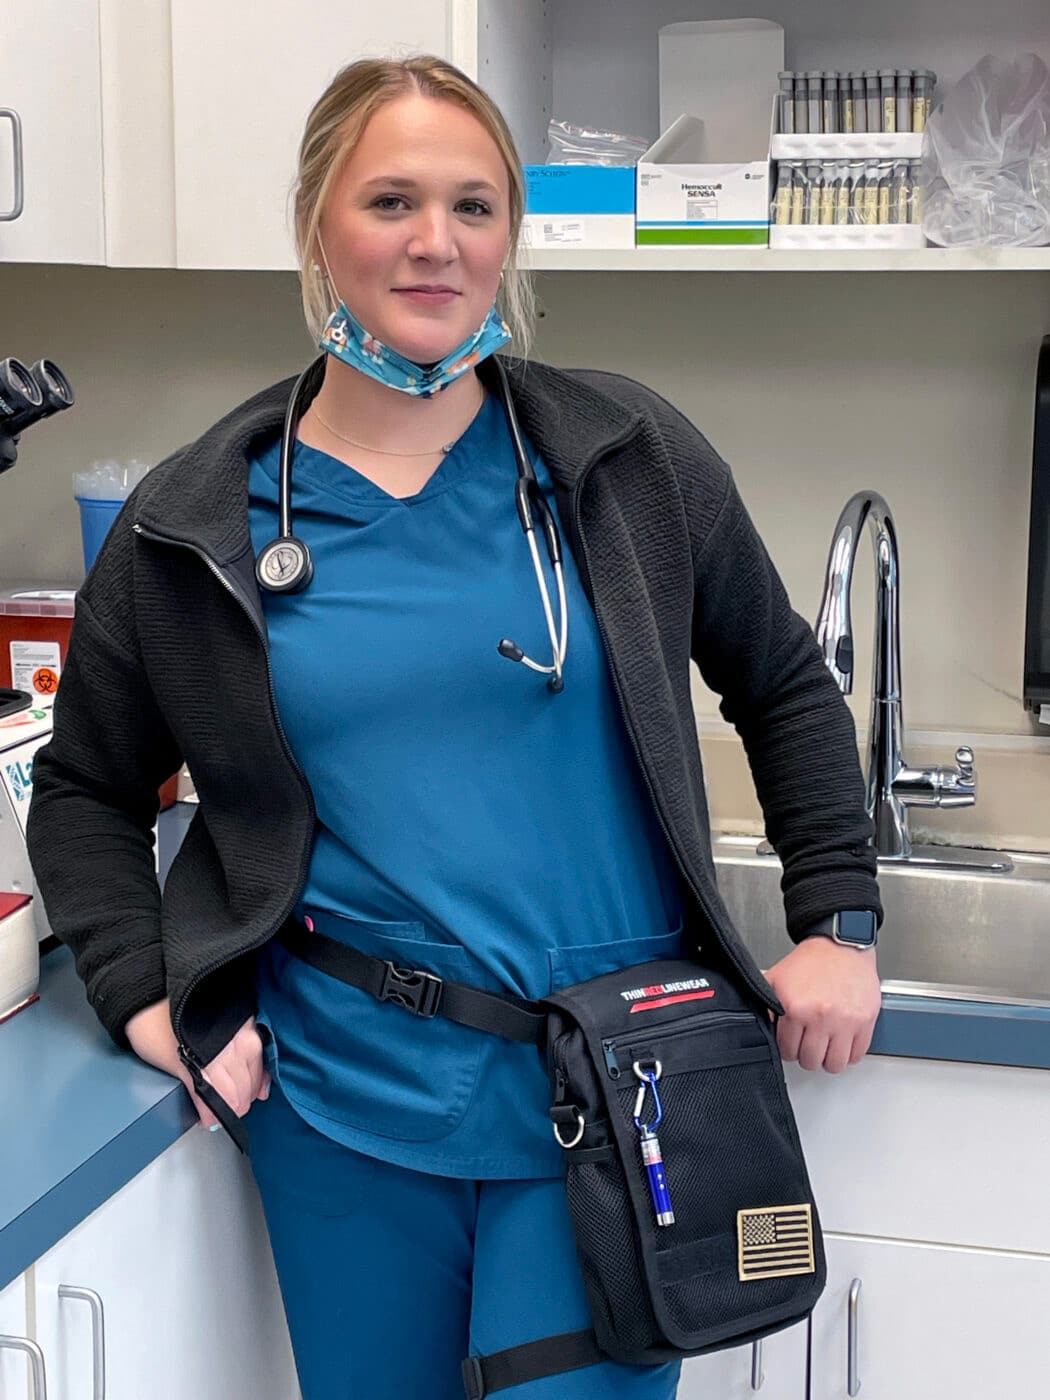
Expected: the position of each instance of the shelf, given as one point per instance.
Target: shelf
(766, 260)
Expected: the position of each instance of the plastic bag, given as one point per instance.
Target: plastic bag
(986, 158)
(582, 145)
(108, 479)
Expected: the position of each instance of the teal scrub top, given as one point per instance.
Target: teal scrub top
(469, 821)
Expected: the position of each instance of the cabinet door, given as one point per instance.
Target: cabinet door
(180, 1260)
(14, 1365)
(931, 1322)
(778, 1372)
(245, 77)
(49, 74)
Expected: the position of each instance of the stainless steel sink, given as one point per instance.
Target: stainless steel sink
(946, 933)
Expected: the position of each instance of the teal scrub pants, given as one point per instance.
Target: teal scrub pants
(391, 1277)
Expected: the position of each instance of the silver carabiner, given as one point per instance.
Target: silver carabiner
(648, 1078)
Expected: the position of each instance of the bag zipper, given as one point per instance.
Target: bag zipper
(188, 1057)
(706, 1020)
(701, 900)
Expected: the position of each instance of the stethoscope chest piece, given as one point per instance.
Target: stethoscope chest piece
(284, 565)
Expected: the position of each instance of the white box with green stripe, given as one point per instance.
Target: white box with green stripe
(686, 196)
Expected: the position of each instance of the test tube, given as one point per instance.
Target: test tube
(922, 97)
(781, 213)
(815, 88)
(871, 97)
(846, 101)
(888, 94)
(871, 192)
(798, 194)
(786, 104)
(814, 187)
(831, 102)
(885, 179)
(856, 191)
(828, 192)
(801, 104)
(860, 106)
(900, 190)
(915, 191)
(904, 112)
(842, 189)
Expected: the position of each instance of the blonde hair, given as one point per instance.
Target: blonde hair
(333, 129)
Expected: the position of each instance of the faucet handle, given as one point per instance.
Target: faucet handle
(964, 758)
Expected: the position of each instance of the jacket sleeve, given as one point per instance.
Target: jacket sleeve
(95, 799)
(762, 658)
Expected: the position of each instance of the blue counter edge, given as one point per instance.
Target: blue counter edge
(914, 1027)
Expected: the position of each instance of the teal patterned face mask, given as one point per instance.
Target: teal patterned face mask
(346, 339)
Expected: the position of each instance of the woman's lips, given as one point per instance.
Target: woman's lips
(426, 296)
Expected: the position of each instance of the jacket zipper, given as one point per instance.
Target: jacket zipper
(705, 1021)
(187, 1055)
(668, 835)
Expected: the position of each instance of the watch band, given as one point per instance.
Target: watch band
(852, 928)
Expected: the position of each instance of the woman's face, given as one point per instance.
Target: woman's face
(416, 227)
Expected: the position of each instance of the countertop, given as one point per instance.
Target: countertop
(81, 1118)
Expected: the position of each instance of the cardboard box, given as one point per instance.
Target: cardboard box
(687, 196)
(579, 206)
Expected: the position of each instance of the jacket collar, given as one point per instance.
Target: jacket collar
(199, 495)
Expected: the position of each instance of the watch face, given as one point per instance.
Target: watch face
(858, 926)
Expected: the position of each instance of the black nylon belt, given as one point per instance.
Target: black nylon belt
(416, 989)
(547, 1357)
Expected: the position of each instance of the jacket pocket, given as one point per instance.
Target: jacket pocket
(367, 1064)
(585, 960)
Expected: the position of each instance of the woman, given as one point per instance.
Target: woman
(375, 768)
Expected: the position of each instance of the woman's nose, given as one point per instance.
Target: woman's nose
(433, 236)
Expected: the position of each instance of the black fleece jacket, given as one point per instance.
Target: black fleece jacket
(168, 663)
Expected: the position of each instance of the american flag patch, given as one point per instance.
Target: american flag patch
(774, 1242)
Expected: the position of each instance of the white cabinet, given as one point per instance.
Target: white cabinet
(185, 1292)
(14, 1363)
(931, 1323)
(776, 1372)
(49, 74)
(245, 76)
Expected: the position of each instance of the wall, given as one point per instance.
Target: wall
(811, 385)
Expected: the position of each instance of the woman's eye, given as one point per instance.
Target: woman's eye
(474, 206)
(389, 202)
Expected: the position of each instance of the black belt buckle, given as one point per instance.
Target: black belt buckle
(415, 990)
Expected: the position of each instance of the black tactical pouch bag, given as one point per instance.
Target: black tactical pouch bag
(742, 1255)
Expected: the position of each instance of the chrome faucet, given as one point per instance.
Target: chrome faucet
(892, 786)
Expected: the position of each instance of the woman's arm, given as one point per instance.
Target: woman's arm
(95, 801)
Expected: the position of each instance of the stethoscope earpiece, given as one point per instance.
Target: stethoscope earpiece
(285, 566)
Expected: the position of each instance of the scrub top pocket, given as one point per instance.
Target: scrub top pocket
(351, 1059)
(583, 961)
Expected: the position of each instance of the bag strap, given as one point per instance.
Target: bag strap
(483, 1375)
(416, 990)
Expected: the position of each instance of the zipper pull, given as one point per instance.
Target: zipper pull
(213, 1099)
(611, 1063)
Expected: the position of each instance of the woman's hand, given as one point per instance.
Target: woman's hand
(831, 997)
(236, 1072)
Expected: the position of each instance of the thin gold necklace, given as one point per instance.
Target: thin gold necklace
(383, 451)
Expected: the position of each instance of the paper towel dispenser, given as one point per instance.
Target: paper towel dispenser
(1037, 622)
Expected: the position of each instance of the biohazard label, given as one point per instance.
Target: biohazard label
(36, 666)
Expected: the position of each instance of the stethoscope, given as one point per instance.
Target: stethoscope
(285, 566)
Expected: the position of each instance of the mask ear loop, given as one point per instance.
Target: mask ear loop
(333, 292)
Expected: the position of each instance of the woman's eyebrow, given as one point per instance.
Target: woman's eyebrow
(404, 182)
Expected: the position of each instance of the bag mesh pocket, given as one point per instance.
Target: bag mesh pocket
(607, 1246)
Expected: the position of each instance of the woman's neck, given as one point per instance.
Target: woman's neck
(360, 409)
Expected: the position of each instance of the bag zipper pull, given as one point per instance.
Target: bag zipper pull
(609, 1051)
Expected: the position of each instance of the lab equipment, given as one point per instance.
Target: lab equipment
(27, 396)
(888, 98)
(1037, 611)
(786, 102)
(285, 566)
(100, 493)
(585, 145)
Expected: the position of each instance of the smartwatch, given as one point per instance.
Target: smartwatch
(853, 928)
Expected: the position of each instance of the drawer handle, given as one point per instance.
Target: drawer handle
(853, 1339)
(16, 140)
(98, 1335)
(757, 1378)
(36, 1362)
